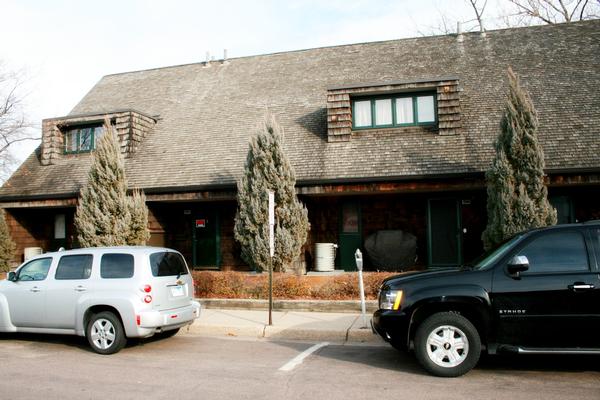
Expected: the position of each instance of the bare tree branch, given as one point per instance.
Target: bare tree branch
(478, 12)
(555, 11)
(14, 125)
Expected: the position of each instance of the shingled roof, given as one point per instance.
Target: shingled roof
(207, 114)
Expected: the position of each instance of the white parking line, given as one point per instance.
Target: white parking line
(294, 362)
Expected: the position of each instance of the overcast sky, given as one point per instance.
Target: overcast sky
(64, 47)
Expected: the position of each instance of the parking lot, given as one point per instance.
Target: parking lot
(193, 367)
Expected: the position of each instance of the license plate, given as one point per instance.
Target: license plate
(177, 291)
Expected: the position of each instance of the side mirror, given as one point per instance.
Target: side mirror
(12, 276)
(516, 265)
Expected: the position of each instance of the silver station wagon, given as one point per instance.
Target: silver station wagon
(107, 294)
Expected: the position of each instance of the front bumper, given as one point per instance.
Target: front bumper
(153, 321)
(392, 326)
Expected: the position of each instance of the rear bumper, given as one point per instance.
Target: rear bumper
(392, 326)
(151, 322)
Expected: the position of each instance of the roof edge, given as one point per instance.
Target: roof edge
(102, 113)
(392, 83)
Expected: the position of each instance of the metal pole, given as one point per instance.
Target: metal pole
(271, 292)
(363, 306)
(361, 285)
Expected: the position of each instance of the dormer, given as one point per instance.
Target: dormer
(432, 105)
(75, 134)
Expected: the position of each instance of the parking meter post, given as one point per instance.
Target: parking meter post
(271, 196)
(361, 286)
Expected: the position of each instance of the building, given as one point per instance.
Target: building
(385, 135)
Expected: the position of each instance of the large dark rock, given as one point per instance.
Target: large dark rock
(392, 250)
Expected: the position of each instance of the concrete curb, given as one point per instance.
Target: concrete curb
(350, 331)
(336, 306)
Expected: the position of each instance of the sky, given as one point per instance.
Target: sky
(62, 47)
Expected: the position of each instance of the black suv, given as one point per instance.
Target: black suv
(537, 293)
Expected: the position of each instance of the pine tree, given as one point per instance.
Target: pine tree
(7, 246)
(138, 233)
(103, 214)
(267, 169)
(517, 195)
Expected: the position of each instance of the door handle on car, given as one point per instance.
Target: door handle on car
(35, 289)
(80, 289)
(580, 286)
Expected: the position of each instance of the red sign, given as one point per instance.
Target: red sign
(200, 223)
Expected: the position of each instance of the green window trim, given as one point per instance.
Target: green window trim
(415, 110)
(78, 133)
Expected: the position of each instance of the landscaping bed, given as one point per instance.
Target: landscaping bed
(243, 285)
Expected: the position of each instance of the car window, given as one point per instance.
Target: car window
(557, 252)
(74, 267)
(116, 266)
(595, 232)
(167, 263)
(36, 270)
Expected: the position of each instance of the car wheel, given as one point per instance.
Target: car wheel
(168, 334)
(105, 333)
(447, 344)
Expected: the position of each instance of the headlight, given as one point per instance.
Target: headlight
(390, 299)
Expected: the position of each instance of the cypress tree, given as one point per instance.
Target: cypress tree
(517, 195)
(138, 228)
(103, 214)
(7, 246)
(267, 169)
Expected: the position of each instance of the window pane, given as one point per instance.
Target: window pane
(362, 113)
(557, 252)
(74, 267)
(404, 110)
(36, 270)
(167, 264)
(71, 140)
(425, 109)
(85, 139)
(383, 112)
(98, 132)
(350, 218)
(116, 266)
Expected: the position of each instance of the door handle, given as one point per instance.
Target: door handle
(581, 286)
(34, 289)
(80, 289)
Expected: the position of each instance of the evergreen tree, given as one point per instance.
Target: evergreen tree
(7, 246)
(103, 214)
(517, 196)
(267, 169)
(138, 228)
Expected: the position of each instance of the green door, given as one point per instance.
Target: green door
(443, 232)
(350, 237)
(206, 252)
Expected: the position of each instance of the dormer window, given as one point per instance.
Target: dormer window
(82, 139)
(394, 110)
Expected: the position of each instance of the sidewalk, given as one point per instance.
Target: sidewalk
(290, 325)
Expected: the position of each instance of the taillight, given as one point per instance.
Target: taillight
(148, 299)
(146, 288)
(138, 320)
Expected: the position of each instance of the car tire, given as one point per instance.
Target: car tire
(447, 345)
(105, 333)
(168, 334)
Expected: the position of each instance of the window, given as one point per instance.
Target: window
(167, 264)
(116, 266)
(397, 110)
(557, 252)
(74, 267)
(36, 270)
(81, 139)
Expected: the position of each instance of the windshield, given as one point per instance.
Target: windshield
(167, 264)
(491, 256)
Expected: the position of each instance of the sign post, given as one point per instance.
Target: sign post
(361, 286)
(271, 251)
